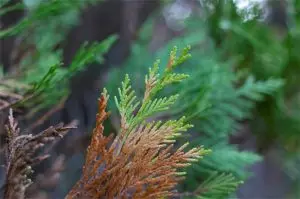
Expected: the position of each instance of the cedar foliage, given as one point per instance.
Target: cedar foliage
(140, 161)
(21, 155)
(38, 79)
(268, 51)
(38, 82)
(215, 99)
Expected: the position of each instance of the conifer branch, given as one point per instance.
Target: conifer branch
(21, 155)
(140, 162)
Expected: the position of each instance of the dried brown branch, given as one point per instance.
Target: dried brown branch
(146, 167)
(21, 155)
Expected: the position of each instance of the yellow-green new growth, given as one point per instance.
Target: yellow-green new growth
(149, 106)
(141, 162)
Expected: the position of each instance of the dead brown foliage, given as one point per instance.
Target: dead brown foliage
(21, 155)
(145, 167)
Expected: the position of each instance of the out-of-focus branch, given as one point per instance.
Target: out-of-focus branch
(21, 155)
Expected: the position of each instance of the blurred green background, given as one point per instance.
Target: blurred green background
(242, 95)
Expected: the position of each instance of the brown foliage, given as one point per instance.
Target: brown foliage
(21, 155)
(144, 166)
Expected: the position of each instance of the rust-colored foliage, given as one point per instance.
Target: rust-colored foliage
(144, 166)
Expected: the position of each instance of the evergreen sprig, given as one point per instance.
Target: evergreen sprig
(210, 98)
(218, 186)
(140, 162)
(149, 106)
(47, 82)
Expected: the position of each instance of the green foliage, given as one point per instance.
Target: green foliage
(218, 186)
(269, 51)
(45, 11)
(214, 98)
(4, 10)
(56, 80)
(150, 105)
(45, 27)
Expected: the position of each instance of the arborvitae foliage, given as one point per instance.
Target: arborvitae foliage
(36, 80)
(21, 154)
(214, 98)
(140, 162)
(37, 56)
(215, 101)
(268, 51)
(52, 11)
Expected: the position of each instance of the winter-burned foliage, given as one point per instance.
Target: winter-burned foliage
(140, 161)
(21, 155)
